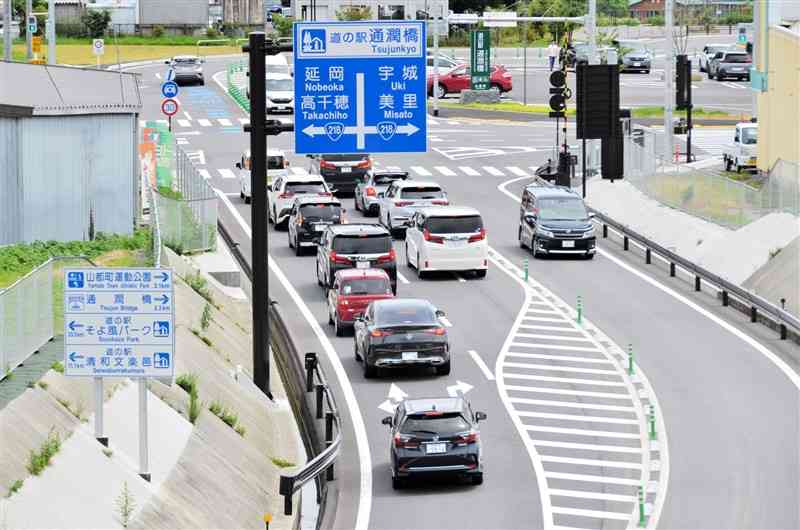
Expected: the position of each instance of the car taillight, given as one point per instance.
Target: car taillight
(436, 331)
(468, 438)
(371, 191)
(440, 202)
(378, 333)
(365, 163)
(480, 236)
(326, 164)
(286, 195)
(507, 75)
(402, 441)
(426, 234)
(400, 204)
(388, 258)
(335, 258)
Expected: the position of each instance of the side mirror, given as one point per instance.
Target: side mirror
(439, 313)
(591, 216)
(480, 416)
(166, 62)
(387, 421)
(238, 165)
(530, 218)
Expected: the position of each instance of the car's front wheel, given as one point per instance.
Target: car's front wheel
(443, 369)
(441, 91)
(298, 250)
(337, 326)
(398, 483)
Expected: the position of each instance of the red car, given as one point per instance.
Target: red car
(352, 291)
(457, 80)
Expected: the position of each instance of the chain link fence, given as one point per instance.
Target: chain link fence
(703, 193)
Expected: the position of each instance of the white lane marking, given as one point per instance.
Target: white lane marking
(188, 133)
(431, 121)
(517, 171)
(421, 171)
(567, 380)
(359, 428)
(596, 514)
(575, 417)
(142, 124)
(469, 171)
(186, 114)
(481, 365)
(591, 494)
(557, 368)
(204, 122)
(402, 278)
(602, 479)
(446, 322)
(158, 76)
(226, 173)
(552, 337)
(493, 171)
(571, 404)
(583, 432)
(446, 171)
(545, 312)
(225, 122)
(566, 392)
(244, 121)
(589, 447)
(562, 358)
(545, 319)
(204, 173)
(549, 328)
(553, 347)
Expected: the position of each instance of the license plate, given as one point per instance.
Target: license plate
(437, 448)
(410, 355)
(362, 265)
(568, 244)
(457, 242)
(319, 228)
(637, 64)
(752, 161)
(346, 169)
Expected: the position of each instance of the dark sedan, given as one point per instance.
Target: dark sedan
(401, 333)
(435, 436)
(309, 218)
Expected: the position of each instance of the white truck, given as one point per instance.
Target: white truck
(741, 153)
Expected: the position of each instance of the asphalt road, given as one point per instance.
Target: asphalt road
(731, 415)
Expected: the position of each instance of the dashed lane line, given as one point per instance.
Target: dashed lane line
(421, 171)
(481, 365)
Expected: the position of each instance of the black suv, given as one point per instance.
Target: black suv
(341, 172)
(434, 436)
(359, 246)
(554, 220)
(309, 218)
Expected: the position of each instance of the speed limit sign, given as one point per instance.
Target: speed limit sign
(169, 107)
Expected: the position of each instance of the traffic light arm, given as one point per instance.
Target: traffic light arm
(273, 127)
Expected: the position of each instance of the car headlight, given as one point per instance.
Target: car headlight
(589, 233)
(545, 233)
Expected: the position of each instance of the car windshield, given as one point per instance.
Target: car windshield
(357, 244)
(364, 286)
(638, 51)
(422, 192)
(383, 180)
(750, 136)
(321, 212)
(712, 50)
(275, 162)
(305, 187)
(279, 85)
(737, 58)
(449, 423)
(277, 69)
(344, 158)
(565, 209)
(185, 61)
(405, 314)
(454, 225)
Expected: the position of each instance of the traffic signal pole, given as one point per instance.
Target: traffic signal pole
(7, 31)
(669, 80)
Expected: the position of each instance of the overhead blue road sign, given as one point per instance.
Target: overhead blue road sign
(169, 89)
(119, 323)
(360, 87)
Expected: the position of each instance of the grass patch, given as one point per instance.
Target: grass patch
(58, 367)
(228, 416)
(699, 112)
(43, 385)
(200, 285)
(240, 430)
(749, 178)
(205, 318)
(774, 252)
(504, 106)
(81, 54)
(108, 452)
(39, 460)
(280, 462)
(125, 504)
(189, 383)
(14, 487)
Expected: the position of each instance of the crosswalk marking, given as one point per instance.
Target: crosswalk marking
(225, 122)
(588, 447)
(227, 173)
(554, 337)
(517, 171)
(421, 171)
(493, 171)
(561, 358)
(592, 494)
(571, 405)
(597, 514)
(469, 171)
(603, 479)
(446, 171)
(184, 123)
(544, 319)
(544, 311)
(552, 347)
(566, 380)
(574, 417)
(555, 368)
(582, 432)
(204, 122)
(567, 392)
(549, 328)
(204, 173)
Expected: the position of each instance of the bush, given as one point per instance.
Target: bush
(125, 505)
(14, 487)
(96, 22)
(58, 367)
(189, 383)
(158, 31)
(222, 412)
(655, 21)
(282, 25)
(41, 459)
(281, 462)
(354, 13)
(200, 286)
(212, 33)
(205, 318)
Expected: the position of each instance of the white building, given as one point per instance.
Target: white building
(380, 9)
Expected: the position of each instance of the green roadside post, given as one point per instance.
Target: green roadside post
(642, 522)
(525, 268)
(580, 309)
(630, 359)
(651, 416)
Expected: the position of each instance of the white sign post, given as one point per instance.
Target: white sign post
(98, 48)
(120, 323)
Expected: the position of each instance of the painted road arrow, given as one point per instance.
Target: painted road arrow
(74, 325)
(461, 386)
(395, 395)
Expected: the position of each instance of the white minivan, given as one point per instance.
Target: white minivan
(447, 238)
(277, 166)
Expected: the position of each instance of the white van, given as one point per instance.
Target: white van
(277, 166)
(277, 64)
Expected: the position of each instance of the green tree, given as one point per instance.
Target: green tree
(96, 22)
(282, 25)
(613, 8)
(354, 13)
(18, 12)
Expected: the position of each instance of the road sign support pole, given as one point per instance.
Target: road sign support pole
(669, 79)
(51, 33)
(170, 123)
(524, 64)
(435, 86)
(144, 455)
(7, 32)
(28, 34)
(592, 23)
(583, 166)
(98, 411)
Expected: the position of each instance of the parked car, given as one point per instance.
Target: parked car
(638, 59)
(432, 436)
(360, 246)
(458, 79)
(554, 220)
(741, 154)
(352, 291)
(188, 69)
(730, 64)
(446, 63)
(343, 171)
(309, 218)
(574, 54)
(277, 166)
(282, 193)
(707, 55)
(447, 238)
(401, 332)
(367, 190)
(399, 202)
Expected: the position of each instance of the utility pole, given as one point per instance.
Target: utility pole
(435, 87)
(760, 31)
(591, 22)
(51, 32)
(669, 80)
(28, 34)
(7, 30)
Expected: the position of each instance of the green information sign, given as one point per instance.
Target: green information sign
(480, 65)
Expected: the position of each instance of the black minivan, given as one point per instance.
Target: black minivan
(554, 220)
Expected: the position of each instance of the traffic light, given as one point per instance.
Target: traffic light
(559, 94)
(683, 86)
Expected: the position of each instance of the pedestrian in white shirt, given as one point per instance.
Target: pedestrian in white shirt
(552, 54)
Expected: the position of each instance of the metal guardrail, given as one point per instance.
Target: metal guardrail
(727, 291)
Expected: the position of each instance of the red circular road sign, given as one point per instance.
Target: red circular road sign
(169, 107)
